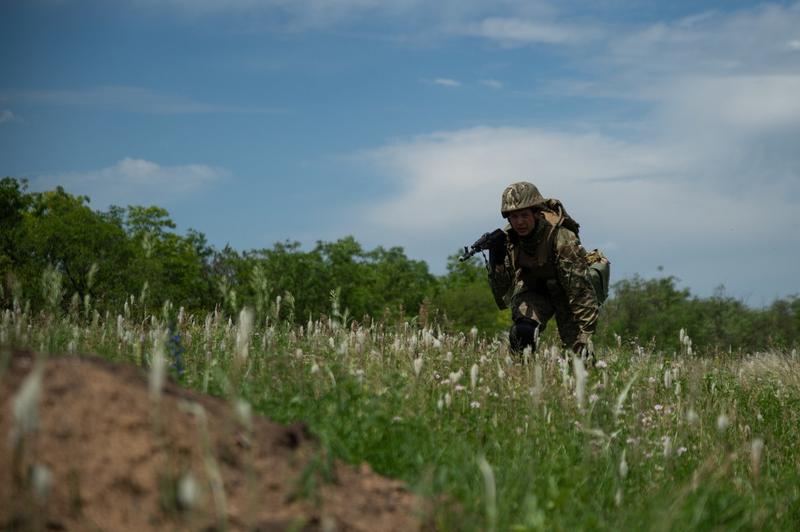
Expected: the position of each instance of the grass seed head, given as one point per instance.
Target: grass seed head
(580, 380)
(41, 482)
(158, 364)
(26, 405)
(756, 449)
(723, 423)
(623, 465)
(188, 491)
(417, 366)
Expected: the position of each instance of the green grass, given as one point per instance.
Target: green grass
(687, 438)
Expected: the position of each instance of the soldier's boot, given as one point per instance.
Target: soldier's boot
(524, 333)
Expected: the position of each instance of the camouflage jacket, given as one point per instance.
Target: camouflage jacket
(555, 265)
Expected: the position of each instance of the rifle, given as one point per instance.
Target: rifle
(486, 241)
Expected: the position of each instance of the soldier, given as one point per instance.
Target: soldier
(542, 270)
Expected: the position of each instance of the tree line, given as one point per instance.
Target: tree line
(134, 255)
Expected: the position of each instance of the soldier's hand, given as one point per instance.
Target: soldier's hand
(497, 254)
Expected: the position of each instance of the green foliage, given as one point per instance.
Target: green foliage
(465, 299)
(104, 258)
(655, 309)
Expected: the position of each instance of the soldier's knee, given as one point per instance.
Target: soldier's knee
(523, 334)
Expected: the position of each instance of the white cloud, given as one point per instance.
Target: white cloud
(130, 99)
(512, 22)
(492, 83)
(518, 31)
(735, 103)
(647, 202)
(297, 15)
(135, 181)
(446, 82)
(7, 116)
(752, 41)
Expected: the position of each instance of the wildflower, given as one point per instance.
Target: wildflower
(176, 350)
(601, 364)
(593, 398)
(473, 375)
(680, 450)
(658, 408)
(474, 404)
(473, 332)
(459, 388)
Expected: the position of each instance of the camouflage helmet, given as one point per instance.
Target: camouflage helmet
(520, 195)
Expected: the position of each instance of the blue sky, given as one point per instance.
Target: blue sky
(671, 131)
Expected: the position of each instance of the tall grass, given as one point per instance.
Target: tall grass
(643, 441)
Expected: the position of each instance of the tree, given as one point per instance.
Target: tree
(464, 297)
(13, 204)
(92, 253)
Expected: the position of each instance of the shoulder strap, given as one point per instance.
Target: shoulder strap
(554, 210)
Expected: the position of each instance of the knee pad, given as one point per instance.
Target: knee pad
(522, 335)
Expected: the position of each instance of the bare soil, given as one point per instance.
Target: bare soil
(106, 456)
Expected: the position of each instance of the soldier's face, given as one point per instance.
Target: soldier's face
(522, 221)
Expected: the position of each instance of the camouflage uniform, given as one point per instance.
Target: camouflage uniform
(545, 273)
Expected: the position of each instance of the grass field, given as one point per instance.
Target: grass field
(646, 440)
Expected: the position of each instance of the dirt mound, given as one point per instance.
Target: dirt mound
(105, 456)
